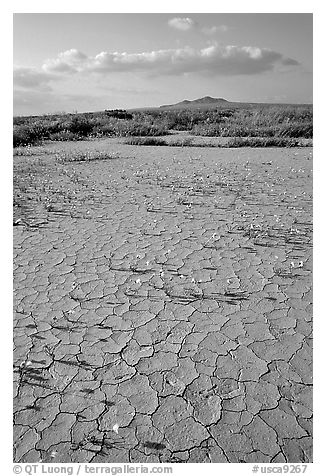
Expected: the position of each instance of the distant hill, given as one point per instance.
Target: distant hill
(205, 102)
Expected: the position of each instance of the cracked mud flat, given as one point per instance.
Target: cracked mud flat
(163, 308)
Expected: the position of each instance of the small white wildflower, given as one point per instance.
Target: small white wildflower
(115, 428)
(138, 281)
(292, 264)
(300, 265)
(53, 454)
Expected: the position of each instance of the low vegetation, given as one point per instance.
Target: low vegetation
(274, 121)
(230, 143)
(63, 156)
(145, 141)
(264, 142)
(71, 127)
(278, 124)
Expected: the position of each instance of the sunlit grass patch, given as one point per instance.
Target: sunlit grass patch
(83, 156)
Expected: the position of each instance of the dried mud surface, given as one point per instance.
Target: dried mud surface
(163, 307)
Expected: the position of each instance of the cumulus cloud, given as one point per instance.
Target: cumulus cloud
(212, 30)
(183, 24)
(213, 60)
(66, 62)
(186, 24)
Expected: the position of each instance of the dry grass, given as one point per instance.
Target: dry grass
(82, 156)
(235, 121)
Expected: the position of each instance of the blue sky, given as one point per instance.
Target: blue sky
(86, 62)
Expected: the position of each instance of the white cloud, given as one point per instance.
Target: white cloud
(214, 60)
(183, 24)
(212, 30)
(186, 24)
(66, 62)
(31, 78)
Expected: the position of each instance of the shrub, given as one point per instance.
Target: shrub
(118, 114)
(78, 125)
(268, 121)
(24, 135)
(135, 128)
(64, 136)
(145, 141)
(263, 142)
(233, 121)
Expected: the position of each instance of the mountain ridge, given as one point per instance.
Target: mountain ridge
(204, 101)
